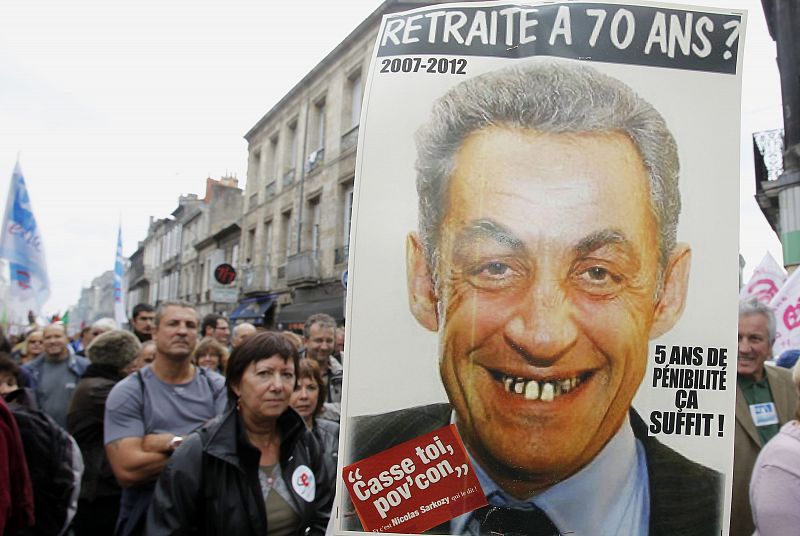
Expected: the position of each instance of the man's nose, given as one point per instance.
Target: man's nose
(543, 327)
(744, 346)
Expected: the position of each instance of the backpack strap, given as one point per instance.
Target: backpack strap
(141, 383)
(204, 374)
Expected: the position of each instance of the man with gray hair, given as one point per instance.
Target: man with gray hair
(319, 340)
(546, 260)
(765, 399)
(149, 412)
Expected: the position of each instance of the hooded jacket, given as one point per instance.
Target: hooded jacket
(211, 486)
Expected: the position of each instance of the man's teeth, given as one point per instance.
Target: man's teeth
(545, 391)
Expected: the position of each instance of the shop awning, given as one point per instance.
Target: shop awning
(297, 313)
(252, 308)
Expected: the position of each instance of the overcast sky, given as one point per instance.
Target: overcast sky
(118, 107)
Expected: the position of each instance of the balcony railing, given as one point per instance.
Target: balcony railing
(256, 278)
(302, 268)
(272, 189)
(341, 254)
(350, 138)
(136, 271)
(288, 177)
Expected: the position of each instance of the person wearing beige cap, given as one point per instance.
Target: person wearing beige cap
(110, 354)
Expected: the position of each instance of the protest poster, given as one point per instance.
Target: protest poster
(545, 239)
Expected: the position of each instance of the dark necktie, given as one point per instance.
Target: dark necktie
(513, 522)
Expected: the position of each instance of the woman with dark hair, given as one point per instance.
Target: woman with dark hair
(308, 404)
(10, 374)
(254, 470)
(211, 355)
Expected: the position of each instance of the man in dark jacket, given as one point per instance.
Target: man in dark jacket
(110, 354)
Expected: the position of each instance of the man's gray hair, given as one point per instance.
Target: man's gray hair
(172, 303)
(238, 327)
(754, 307)
(106, 324)
(324, 320)
(552, 97)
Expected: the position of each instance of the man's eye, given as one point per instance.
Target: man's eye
(598, 279)
(492, 270)
(492, 275)
(596, 273)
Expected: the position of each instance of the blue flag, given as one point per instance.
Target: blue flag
(119, 273)
(21, 244)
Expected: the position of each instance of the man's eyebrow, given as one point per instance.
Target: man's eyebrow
(600, 239)
(483, 230)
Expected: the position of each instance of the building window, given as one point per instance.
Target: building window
(356, 93)
(286, 234)
(316, 135)
(272, 159)
(267, 241)
(314, 218)
(251, 243)
(255, 167)
(291, 155)
(348, 212)
(318, 125)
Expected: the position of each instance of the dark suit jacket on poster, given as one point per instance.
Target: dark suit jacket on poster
(685, 497)
(747, 444)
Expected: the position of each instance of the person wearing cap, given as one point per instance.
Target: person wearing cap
(109, 355)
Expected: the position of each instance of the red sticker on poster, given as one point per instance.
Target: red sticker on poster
(416, 485)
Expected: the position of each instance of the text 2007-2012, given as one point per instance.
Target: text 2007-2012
(425, 65)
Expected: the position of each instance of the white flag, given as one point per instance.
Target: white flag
(786, 306)
(21, 244)
(767, 280)
(119, 274)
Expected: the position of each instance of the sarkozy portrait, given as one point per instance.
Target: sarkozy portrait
(546, 259)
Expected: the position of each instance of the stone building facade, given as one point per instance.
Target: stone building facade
(299, 193)
(177, 257)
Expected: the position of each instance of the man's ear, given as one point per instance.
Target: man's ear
(421, 290)
(672, 297)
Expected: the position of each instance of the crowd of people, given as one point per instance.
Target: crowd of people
(181, 425)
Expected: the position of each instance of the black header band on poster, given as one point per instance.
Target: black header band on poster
(613, 33)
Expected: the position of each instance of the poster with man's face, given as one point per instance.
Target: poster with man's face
(544, 256)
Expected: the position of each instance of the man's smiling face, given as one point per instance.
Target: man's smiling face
(548, 287)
